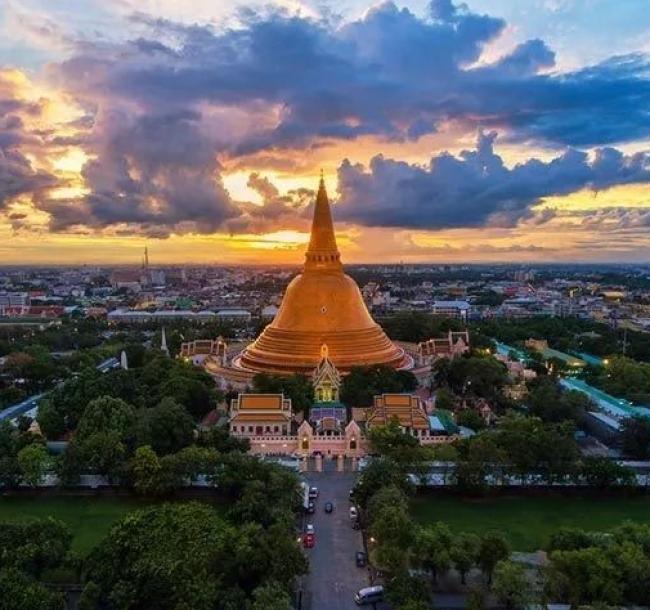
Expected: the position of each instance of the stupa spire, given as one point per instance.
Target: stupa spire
(322, 252)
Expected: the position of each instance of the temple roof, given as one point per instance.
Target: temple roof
(406, 408)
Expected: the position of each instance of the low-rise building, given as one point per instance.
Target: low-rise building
(255, 415)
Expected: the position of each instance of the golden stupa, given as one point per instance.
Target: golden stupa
(321, 306)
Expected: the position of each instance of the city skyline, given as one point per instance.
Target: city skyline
(447, 132)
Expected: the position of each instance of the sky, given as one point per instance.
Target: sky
(492, 130)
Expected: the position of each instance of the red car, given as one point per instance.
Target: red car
(308, 541)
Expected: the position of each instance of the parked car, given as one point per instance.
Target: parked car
(309, 528)
(369, 595)
(354, 513)
(311, 507)
(329, 507)
(313, 493)
(361, 559)
(356, 525)
(308, 541)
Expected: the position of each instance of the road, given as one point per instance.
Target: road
(334, 577)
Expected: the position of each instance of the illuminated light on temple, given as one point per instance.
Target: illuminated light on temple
(321, 306)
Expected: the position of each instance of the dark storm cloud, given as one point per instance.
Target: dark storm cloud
(163, 108)
(475, 188)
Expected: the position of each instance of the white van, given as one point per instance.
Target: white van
(353, 513)
(369, 595)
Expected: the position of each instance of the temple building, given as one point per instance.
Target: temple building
(327, 415)
(406, 409)
(321, 306)
(254, 415)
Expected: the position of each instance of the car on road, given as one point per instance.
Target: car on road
(361, 559)
(329, 507)
(369, 595)
(311, 507)
(354, 513)
(309, 528)
(313, 493)
(356, 525)
(309, 540)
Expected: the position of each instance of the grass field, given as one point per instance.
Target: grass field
(528, 521)
(89, 519)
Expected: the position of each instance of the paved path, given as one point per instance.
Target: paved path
(334, 577)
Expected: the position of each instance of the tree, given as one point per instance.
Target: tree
(464, 553)
(583, 576)
(379, 473)
(103, 453)
(510, 585)
(432, 549)
(569, 539)
(494, 548)
(391, 441)
(602, 472)
(363, 383)
(20, 592)
(297, 387)
(470, 418)
(406, 592)
(480, 376)
(167, 427)
(444, 398)
(164, 557)
(636, 437)
(271, 596)
(219, 438)
(389, 496)
(550, 403)
(106, 415)
(476, 599)
(90, 597)
(34, 546)
(50, 420)
(145, 467)
(34, 462)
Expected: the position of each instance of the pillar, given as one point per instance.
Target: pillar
(355, 463)
(339, 463)
(303, 464)
(319, 463)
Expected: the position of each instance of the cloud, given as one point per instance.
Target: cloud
(476, 188)
(289, 211)
(165, 109)
(17, 174)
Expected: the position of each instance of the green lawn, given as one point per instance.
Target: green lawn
(89, 518)
(528, 521)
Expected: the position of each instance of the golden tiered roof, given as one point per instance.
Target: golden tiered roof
(405, 407)
(322, 305)
(260, 407)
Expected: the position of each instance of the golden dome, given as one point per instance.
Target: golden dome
(322, 305)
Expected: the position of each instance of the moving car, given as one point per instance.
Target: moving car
(309, 540)
(361, 559)
(313, 493)
(369, 595)
(329, 507)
